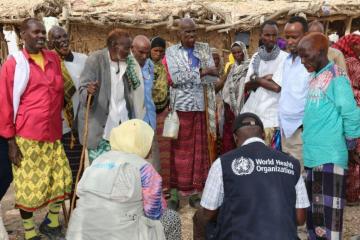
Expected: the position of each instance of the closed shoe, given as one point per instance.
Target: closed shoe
(194, 201)
(35, 238)
(53, 233)
(173, 204)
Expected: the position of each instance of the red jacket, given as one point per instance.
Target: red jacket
(39, 114)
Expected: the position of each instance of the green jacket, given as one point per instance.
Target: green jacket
(331, 115)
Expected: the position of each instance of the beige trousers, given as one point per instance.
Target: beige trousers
(293, 145)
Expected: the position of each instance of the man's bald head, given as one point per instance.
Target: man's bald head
(141, 40)
(186, 22)
(187, 32)
(58, 39)
(55, 29)
(316, 26)
(313, 51)
(316, 41)
(141, 49)
(118, 42)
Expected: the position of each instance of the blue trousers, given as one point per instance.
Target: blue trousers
(5, 168)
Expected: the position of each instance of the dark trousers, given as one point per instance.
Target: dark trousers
(5, 167)
(202, 228)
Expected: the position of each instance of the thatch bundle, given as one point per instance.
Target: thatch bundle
(212, 15)
(88, 21)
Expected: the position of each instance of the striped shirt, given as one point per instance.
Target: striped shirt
(187, 90)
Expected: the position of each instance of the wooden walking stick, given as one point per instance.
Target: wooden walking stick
(211, 139)
(65, 213)
(82, 158)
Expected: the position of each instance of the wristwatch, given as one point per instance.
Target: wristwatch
(253, 77)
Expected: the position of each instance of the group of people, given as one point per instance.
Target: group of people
(287, 124)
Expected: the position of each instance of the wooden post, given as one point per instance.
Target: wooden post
(65, 18)
(327, 23)
(348, 23)
(3, 46)
(211, 139)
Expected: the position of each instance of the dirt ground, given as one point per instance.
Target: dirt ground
(12, 219)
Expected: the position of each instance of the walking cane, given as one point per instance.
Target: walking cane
(65, 213)
(82, 158)
(211, 139)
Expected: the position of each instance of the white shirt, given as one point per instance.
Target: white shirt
(74, 68)
(264, 102)
(295, 84)
(213, 194)
(117, 109)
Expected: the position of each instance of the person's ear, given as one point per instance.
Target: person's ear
(22, 34)
(179, 34)
(263, 135)
(235, 138)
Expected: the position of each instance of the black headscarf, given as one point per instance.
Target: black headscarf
(158, 42)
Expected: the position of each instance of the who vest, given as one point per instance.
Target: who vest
(259, 194)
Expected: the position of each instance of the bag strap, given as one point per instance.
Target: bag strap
(173, 101)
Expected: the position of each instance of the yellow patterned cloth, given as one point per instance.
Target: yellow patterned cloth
(44, 175)
(160, 90)
(269, 134)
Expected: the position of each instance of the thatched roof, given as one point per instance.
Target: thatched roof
(211, 15)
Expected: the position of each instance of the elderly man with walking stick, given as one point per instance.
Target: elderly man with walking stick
(193, 99)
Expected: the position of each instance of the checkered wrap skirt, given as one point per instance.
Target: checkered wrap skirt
(326, 190)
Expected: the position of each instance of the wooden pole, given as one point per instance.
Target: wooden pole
(65, 212)
(82, 158)
(211, 139)
(348, 23)
(327, 23)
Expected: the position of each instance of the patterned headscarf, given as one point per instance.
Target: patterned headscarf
(158, 42)
(344, 45)
(243, 48)
(233, 90)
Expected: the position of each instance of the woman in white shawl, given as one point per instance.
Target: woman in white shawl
(233, 92)
(120, 194)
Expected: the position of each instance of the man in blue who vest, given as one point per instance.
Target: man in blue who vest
(252, 192)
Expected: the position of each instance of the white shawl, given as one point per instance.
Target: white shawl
(21, 79)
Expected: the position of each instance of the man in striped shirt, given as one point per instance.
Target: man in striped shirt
(187, 63)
